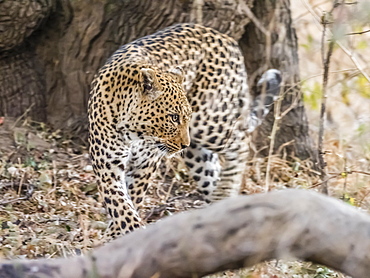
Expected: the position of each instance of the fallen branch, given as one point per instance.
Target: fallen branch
(230, 234)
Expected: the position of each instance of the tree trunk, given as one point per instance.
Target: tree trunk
(278, 48)
(22, 83)
(22, 86)
(231, 234)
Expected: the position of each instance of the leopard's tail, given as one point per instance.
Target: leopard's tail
(268, 88)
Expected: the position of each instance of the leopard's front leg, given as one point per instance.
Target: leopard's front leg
(145, 158)
(109, 161)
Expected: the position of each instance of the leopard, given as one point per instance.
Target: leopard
(182, 90)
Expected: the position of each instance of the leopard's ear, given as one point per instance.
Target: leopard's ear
(179, 74)
(150, 89)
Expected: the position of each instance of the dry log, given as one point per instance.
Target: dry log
(230, 234)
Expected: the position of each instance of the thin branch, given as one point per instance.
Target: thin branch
(334, 175)
(275, 127)
(23, 115)
(323, 35)
(354, 60)
(322, 163)
(256, 22)
(14, 200)
(277, 107)
(348, 3)
(358, 33)
(346, 173)
(307, 12)
(328, 178)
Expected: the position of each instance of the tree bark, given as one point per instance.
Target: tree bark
(278, 49)
(231, 234)
(22, 84)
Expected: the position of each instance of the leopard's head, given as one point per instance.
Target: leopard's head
(162, 112)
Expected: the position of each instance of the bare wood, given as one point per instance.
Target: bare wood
(231, 234)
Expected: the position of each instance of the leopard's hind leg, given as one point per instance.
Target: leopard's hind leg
(204, 168)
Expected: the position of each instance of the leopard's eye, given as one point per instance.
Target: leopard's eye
(175, 118)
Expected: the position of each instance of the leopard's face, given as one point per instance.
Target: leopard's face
(163, 112)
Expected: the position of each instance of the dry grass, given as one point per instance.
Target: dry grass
(48, 195)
